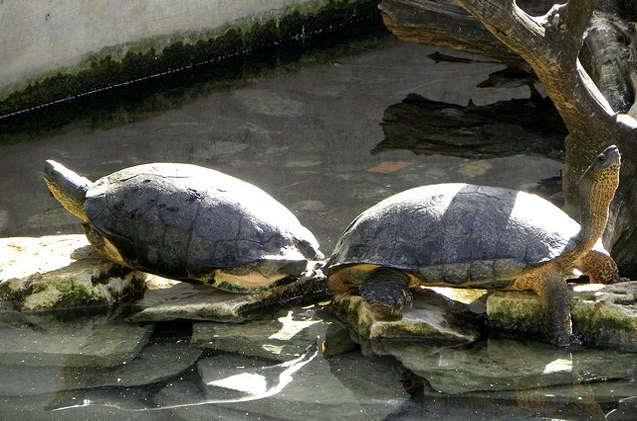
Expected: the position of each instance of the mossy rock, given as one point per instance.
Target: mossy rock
(61, 272)
(603, 316)
(431, 317)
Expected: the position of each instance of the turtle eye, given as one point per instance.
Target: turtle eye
(601, 157)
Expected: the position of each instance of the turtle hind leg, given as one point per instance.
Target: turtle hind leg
(387, 291)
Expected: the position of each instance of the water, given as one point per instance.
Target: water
(310, 134)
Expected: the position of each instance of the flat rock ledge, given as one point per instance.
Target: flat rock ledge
(167, 300)
(603, 316)
(61, 272)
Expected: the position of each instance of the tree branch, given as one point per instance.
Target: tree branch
(445, 24)
(551, 44)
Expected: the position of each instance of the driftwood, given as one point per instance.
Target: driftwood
(583, 52)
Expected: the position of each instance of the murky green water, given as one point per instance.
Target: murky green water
(311, 135)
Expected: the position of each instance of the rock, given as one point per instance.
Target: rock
(62, 272)
(283, 337)
(604, 316)
(626, 411)
(347, 386)
(156, 362)
(89, 341)
(431, 317)
(184, 393)
(97, 404)
(508, 365)
(169, 300)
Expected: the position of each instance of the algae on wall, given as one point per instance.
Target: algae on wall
(268, 34)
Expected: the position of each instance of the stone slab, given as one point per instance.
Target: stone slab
(62, 272)
(169, 300)
(282, 337)
(75, 341)
(511, 365)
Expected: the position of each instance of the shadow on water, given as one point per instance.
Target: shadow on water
(505, 128)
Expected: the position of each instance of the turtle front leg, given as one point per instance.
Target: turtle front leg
(555, 296)
(557, 302)
(387, 291)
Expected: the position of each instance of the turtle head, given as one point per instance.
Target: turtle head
(597, 189)
(67, 187)
(602, 176)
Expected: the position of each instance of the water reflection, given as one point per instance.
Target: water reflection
(226, 379)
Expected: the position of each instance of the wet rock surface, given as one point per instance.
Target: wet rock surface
(282, 337)
(320, 388)
(603, 316)
(508, 365)
(431, 317)
(168, 300)
(62, 272)
(296, 362)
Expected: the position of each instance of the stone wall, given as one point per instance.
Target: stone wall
(58, 47)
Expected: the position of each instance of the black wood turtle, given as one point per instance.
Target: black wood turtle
(187, 222)
(465, 235)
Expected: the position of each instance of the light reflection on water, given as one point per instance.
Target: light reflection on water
(244, 386)
(306, 137)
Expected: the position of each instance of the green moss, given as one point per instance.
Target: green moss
(515, 311)
(262, 37)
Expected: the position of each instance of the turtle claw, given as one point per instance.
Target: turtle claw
(387, 292)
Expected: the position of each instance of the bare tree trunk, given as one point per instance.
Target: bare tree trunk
(551, 45)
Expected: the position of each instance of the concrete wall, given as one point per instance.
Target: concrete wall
(42, 36)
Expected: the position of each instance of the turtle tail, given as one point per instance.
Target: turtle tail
(67, 187)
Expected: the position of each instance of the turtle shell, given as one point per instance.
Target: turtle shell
(183, 221)
(459, 234)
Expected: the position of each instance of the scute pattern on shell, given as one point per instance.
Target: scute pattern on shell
(455, 233)
(183, 220)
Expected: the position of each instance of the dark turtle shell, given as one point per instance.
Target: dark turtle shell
(459, 234)
(183, 221)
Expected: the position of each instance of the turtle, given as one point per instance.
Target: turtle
(190, 223)
(464, 235)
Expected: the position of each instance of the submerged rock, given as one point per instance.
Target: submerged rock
(71, 341)
(44, 354)
(62, 272)
(509, 365)
(284, 336)
(626, 410)
(170, 300)
(156, 362)
(347, 386)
